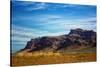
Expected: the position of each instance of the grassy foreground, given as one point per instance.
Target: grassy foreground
(50, 58)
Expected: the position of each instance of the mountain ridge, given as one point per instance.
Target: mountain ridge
(77, 38)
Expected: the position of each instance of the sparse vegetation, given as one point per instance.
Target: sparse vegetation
(60, 49)
(51, 58)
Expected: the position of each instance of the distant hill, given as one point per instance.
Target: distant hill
(77, 38)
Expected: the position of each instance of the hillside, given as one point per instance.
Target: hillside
(77, 46)
(76, 39)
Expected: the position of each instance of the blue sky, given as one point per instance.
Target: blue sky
(37, 19)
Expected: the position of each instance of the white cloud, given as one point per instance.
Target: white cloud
(24, 34)
(86, 19)
(67, 24)
(47, 18)
(19, 39)
(51, 19)
(58, 26)
(19, 42)
(38, 6)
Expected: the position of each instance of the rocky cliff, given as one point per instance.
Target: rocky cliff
(76, 38)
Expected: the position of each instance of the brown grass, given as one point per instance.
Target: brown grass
(51, 58)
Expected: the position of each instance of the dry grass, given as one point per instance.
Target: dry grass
(50, 58)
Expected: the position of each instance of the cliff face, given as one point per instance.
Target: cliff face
(75, 39)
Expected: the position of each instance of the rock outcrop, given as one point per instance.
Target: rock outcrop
(75, 39)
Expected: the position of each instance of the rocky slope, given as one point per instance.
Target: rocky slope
(77, 38)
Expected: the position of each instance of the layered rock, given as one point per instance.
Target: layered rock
(76, 37)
